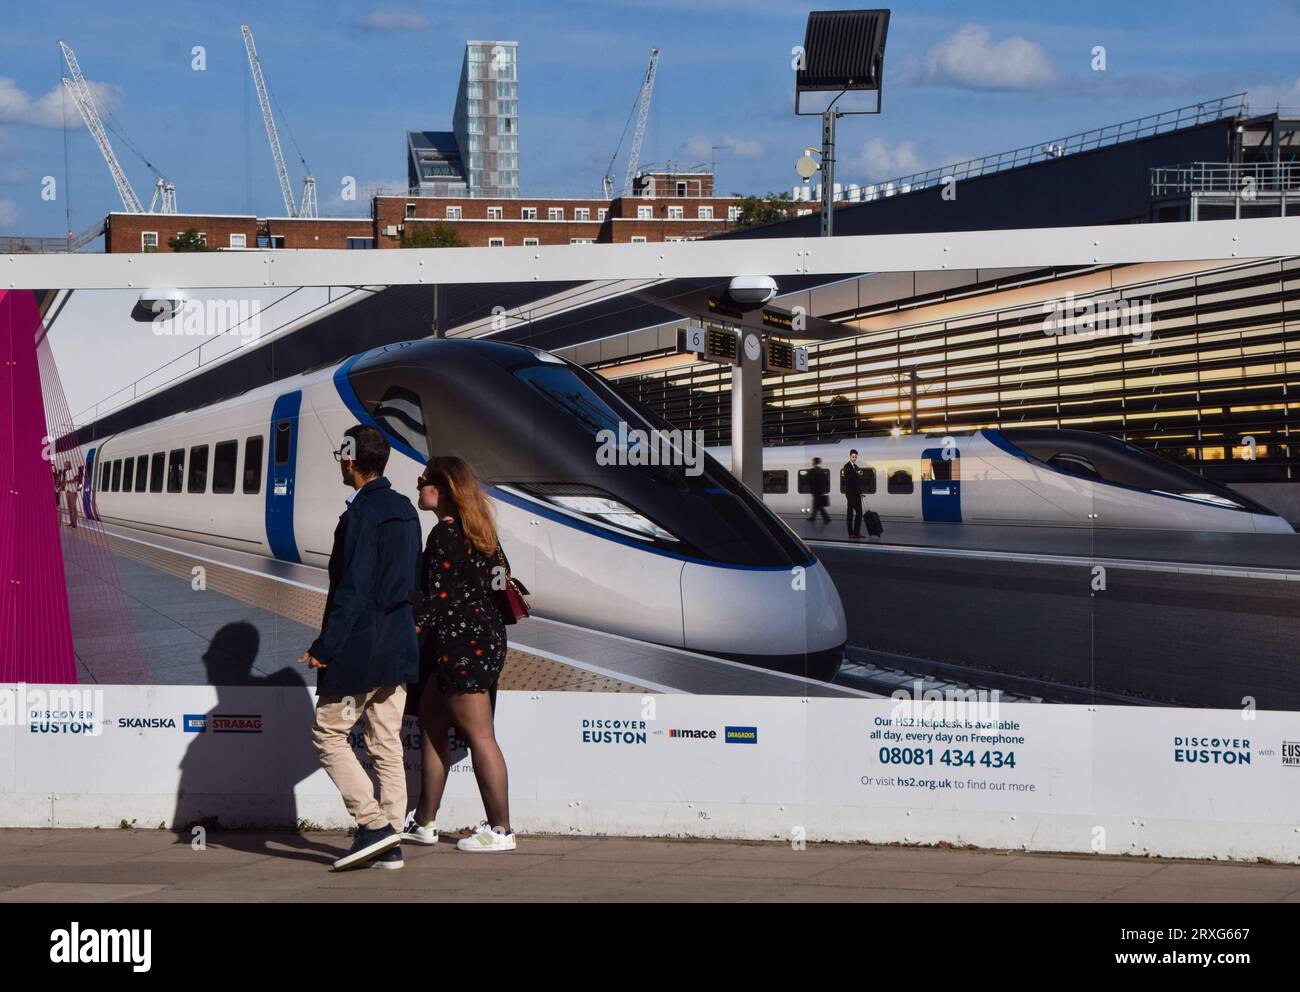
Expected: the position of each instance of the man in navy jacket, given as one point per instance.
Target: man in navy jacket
(367, 649)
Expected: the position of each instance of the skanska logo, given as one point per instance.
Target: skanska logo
(146, 723)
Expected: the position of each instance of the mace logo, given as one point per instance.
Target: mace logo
(194, 723)
(698, 735)
(77, 946)
(741, 735)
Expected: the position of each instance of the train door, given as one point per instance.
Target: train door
(941, 485)
(282, 460)
(88, 486)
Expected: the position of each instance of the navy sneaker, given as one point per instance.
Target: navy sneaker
(368, 844)
(390, 859)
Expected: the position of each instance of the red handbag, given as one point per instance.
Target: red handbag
(510, 602)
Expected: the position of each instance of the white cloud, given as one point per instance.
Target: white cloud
(969, 58)
(881, 161)
(48, 110)
(8, 213)
(700, 147)
(397, 19)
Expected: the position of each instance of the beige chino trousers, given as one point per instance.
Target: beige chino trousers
(381, 710)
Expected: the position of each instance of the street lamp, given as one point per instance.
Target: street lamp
(843, 51)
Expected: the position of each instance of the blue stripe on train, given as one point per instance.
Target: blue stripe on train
(280, 480)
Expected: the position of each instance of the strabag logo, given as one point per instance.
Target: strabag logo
(1211, 751)
(741, 735)
(613, 732)
(1291, 754)
(63, 710)
(698, 735)
(77, 946)
(235, 723)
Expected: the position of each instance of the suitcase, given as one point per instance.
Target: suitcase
(872, 519)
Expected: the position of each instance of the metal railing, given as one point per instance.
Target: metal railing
(51, 246)
(1226, 179)
(1102, 137)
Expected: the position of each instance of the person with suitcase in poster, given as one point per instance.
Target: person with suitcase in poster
(851, 486)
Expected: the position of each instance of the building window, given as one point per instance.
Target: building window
(645, 213)
(733, 213)
(900, 481)
(602, 213)
(530, 242)
(453, 213)
(676, 213)
(528, 213)
(704, 213)
(496, 242)
(148, 240)
(582, 213)
(410, 211)
(582, 241)
(495, 213)
(555, 213)
(361, 242)
(239, 241)
(638, 239)
(681, 189)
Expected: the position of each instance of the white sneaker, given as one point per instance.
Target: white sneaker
(487, 840)
(417, 834)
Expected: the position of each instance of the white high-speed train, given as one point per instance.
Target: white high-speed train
(1016, 476)
(651, 552)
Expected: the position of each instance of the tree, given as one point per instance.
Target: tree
(188, 240)
(437, 235)
(755, 211)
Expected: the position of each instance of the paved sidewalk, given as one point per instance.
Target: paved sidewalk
(154, 866)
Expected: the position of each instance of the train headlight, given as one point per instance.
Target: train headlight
(594, 506)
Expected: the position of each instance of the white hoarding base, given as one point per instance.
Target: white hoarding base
(1112, 780)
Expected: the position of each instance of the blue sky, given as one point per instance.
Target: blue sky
(351, 78)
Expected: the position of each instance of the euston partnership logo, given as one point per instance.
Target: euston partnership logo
(1291, 754)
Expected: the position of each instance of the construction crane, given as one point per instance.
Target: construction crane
(308, 205)
(642, 109)
(81, 96)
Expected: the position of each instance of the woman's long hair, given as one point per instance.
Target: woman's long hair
(460, 496)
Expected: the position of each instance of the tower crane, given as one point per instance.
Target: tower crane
(642, 110)
(164, 191)
(307, 208)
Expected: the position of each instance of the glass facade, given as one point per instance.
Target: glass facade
(1195, 365)
(486, 118)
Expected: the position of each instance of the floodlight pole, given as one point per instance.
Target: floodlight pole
(828, 167)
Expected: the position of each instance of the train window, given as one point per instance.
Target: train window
(1073, 464)
(105, 476)
(141, 473)
(198, 469)
(128, 474)
(803, 483)
(941, 470)
(253, 465)
(776, 482)
(175, 469)
(400, 414)
(225, 465)
(283, 441)
(562, 388)
(866, 479)
(156, 472)
(900, 481)
(117, 474)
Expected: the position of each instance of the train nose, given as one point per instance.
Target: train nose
(787, 619)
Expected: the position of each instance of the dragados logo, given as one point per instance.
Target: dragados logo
(741, 735)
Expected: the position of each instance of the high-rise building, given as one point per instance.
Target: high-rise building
(486, 119)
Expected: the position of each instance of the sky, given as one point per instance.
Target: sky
(349, 79)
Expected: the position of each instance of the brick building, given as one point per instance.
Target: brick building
(665, 206)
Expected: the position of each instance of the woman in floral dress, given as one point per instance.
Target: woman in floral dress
(463, 652)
